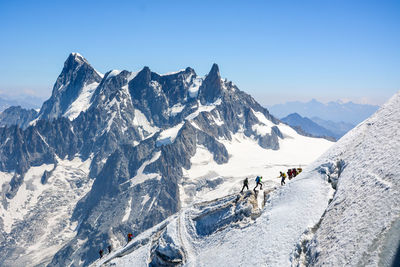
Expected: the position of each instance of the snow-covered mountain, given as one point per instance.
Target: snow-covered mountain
(16, 115)
(306, 126)
(24, 101)
(337, 111)
(342, 210)
(121, 152)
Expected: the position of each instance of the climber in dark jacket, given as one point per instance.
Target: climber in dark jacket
(283, 175)
(245, 184)
(101, 253)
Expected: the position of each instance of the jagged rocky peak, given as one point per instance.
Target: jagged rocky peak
(73, 60)
(76, 77)
(190, 70)
(77, 67)
(211, 88)
(214, 72)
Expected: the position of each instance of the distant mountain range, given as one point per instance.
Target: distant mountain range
(306, 126)
(16, 115)
(338, 111)
(25, 101)
(317, 127)
(337, 128)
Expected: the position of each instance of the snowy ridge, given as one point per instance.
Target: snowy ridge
(365, 212)
(113, 73)
(173, 72)
(168, 136)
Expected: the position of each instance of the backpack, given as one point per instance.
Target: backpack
(283, 175)
(257, 179)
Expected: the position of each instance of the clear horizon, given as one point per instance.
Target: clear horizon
(276, 51)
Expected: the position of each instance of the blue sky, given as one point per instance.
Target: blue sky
(275, 50)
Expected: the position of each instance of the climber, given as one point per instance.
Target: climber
(101, 253)
(283, 175)
(289, 173)
(109, 248)
(294, 172)
(258, 182)
(245, 184)
(130, 236)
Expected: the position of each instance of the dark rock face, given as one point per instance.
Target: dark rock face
(135, 178)
(211, 88)
(16, 115)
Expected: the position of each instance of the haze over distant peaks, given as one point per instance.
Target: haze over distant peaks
(338, 111)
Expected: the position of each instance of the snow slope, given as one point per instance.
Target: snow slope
(306, 222)
(50, 205)
(247, 159)
(82, 103)
(361, 225)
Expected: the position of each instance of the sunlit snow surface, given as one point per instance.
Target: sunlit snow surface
(82, 103)
(358, 227)
(247, 159)
(67, 184)
(362, 224)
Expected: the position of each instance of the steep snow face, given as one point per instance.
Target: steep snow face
(49, 205)
(361, 225)
(168, 136)
(194, 87)
(144, 126)
(82, 103)
(203, 108)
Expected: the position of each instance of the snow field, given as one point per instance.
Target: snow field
(26, 197)
(68, 183)
(247, 159)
